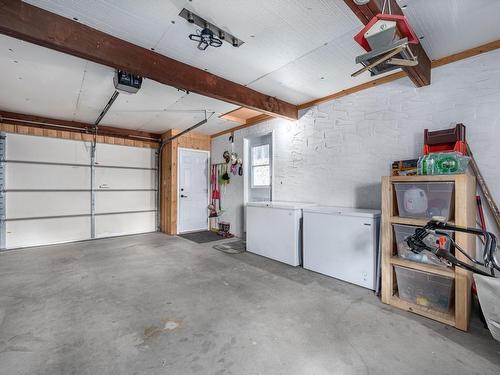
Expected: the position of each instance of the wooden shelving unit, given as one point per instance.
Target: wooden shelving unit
(465, 215)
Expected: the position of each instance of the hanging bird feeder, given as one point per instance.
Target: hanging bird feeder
(386, 38)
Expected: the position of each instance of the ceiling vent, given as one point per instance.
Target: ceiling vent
(209, 35)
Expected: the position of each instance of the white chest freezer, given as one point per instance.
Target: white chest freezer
(343, 243)
(274, 230)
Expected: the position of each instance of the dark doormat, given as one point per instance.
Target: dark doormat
(202, 237)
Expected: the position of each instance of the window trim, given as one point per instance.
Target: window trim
(252, 166)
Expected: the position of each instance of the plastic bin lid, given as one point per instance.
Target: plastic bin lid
(344, 211)
(281, 204)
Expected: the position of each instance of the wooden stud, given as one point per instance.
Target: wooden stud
(465, 216)
(73, 126)
(466, 54)
(250, 122)
(387, 239)
(36, 131)
(354, 89)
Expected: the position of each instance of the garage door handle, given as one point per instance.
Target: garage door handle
(183, 196)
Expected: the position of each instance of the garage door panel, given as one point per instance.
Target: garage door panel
(44, 149)
(118, 201)
(39, 204)
(125, 156)
(41, 177)
(48, 192)
(118, 178)
(122, 224)
(23, 233)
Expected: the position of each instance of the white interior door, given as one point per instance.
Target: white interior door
(192, 190)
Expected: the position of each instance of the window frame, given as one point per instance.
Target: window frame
(252, 166)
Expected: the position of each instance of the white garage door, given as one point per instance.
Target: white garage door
(56, 190)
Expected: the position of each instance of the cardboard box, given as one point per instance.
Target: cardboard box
(405, 167)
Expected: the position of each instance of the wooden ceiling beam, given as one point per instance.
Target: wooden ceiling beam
(354, 89)
(249, 122)
(364, 12)
(74, 126)
(35, 25)
(420, 74)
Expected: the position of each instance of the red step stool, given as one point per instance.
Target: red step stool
(446, 140)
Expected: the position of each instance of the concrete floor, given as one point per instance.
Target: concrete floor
(153, 304)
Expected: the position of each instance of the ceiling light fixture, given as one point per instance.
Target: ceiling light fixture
(209, 35)
(205, 38)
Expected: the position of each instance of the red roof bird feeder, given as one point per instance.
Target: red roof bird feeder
(402, 24)
(386, 38)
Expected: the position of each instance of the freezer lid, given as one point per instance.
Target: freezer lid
(344, 211)
(281, 204)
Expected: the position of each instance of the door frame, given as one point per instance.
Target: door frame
(178, 195)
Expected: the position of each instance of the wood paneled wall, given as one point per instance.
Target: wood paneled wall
(168, 200)
(76, 136)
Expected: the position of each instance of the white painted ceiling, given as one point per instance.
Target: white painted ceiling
(296, 50)
(44, 82)
(451, 26)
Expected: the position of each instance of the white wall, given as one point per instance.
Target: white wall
(338, 151)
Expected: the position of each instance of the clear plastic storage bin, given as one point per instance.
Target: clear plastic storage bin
(425, 289)
(401, 232)
(424, 200)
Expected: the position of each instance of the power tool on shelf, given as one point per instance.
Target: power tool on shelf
(442, 229)
(487, 284)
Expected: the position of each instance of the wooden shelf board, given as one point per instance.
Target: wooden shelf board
(446, 318)
(410, 221)
(436, 270)
(440, 178)
(465, 215)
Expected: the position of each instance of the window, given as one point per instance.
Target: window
(261, 167)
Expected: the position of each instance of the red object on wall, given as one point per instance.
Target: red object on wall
(404, 29)
(446, 140)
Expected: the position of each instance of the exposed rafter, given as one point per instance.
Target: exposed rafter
(74, 126)
(251, 121)
(32, 24)
(420, 74)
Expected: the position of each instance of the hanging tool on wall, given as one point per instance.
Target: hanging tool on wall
(386, 51)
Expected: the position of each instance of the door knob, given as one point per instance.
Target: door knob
(183, 196)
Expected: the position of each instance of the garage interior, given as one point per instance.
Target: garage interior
(249, 187)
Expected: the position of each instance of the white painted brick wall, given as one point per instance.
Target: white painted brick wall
(338, 151)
